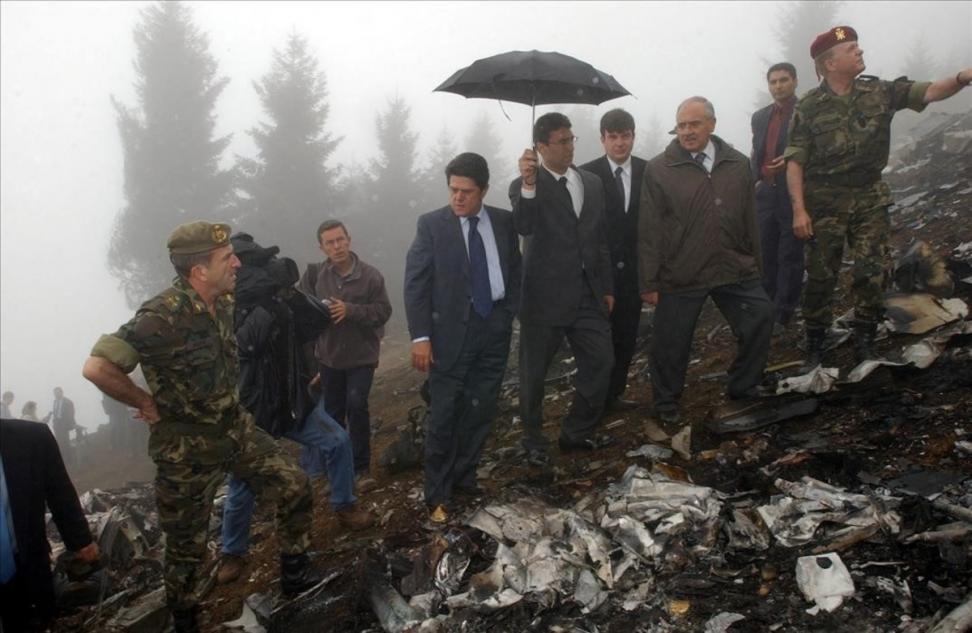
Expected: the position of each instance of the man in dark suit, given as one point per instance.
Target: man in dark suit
(621, 174)
(567, 285)
(782, 250)
(62, 423)
(32, 477)
(462, 286)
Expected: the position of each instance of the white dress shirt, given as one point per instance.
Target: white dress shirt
(485, 228)
(709, 160)
(575, 185)
(625, 179)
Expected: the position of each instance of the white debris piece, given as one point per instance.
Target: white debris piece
(795, 517)
(824, 580)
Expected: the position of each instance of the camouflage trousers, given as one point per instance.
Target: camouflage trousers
(859, 217)
(184, 496)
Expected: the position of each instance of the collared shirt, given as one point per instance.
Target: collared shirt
(485, 228)
(625, 179)
(781, 112)
(8, 534)
(575, 185)
(709, 160)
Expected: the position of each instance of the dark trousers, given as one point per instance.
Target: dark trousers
(750, 315)
(27, 605)
(589, 337)
(624, 334)
(782, 250)
(346, 400)
(464, 405)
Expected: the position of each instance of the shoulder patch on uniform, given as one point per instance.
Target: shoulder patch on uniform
(149, 325)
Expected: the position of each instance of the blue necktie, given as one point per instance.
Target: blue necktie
(482, 296)
(7, 539)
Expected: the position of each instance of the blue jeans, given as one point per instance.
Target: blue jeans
(325, 437)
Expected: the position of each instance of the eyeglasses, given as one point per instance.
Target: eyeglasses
(570, 140)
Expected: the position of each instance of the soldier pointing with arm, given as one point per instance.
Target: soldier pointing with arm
(184, 339)
(837, 149)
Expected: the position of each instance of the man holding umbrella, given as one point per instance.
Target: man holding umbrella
(567, 285)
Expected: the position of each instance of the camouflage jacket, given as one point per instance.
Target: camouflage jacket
(189, 358)
(844, 140)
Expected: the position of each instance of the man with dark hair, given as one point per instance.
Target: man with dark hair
(697, 238)
(62, 423)
(184, 339)
(621, 174)
(33, 480)
(462, 284)
(838, 147)
(567, 286)
(782, 250)
(273, 322)
(347, 350)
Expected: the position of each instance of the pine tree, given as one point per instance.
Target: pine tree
(484, 141)
(433, 178)
(395, 200)
(172, 171)
(290, 186)
(801, 23)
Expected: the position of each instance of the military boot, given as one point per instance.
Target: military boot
(864, 333)
(296, 574)
(184, 620)
(815, 349)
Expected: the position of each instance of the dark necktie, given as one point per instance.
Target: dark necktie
(700, 159)
(619, 181)
(482, 296)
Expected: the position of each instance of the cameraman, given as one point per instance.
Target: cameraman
(273, 321)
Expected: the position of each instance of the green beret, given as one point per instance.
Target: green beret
(198, 237)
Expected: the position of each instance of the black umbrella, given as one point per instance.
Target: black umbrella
(534, 78)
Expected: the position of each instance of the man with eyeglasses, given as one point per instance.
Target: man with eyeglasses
(567, 286)
(620, 173)
(697, 238)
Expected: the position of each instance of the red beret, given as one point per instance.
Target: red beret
(829, 39)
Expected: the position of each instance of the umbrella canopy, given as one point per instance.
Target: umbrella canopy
(534, 78)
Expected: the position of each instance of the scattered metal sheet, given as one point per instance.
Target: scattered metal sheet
(795, 517)
(919, 313)
(763, 414)
(651, 451)
(720, 623)
(818, 380)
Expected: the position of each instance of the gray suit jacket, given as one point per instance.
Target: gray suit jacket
(438, 291)
(562, 253)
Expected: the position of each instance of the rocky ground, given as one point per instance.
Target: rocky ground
(584, 546)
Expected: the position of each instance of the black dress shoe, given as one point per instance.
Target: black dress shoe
(592, 443)
(620, 404)
(668, 416)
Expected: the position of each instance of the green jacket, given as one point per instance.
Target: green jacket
(844, 140)
(189, 359)
(696, 229)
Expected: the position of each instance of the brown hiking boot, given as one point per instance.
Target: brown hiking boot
(354, 518)
(230, 569)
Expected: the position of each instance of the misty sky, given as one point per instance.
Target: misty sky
(61, 158)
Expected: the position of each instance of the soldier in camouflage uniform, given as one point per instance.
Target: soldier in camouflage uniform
(837, 148)
(184, 339)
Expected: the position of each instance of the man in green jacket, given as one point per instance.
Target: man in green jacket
(838, 146)
(697, 237)
(185, 341)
